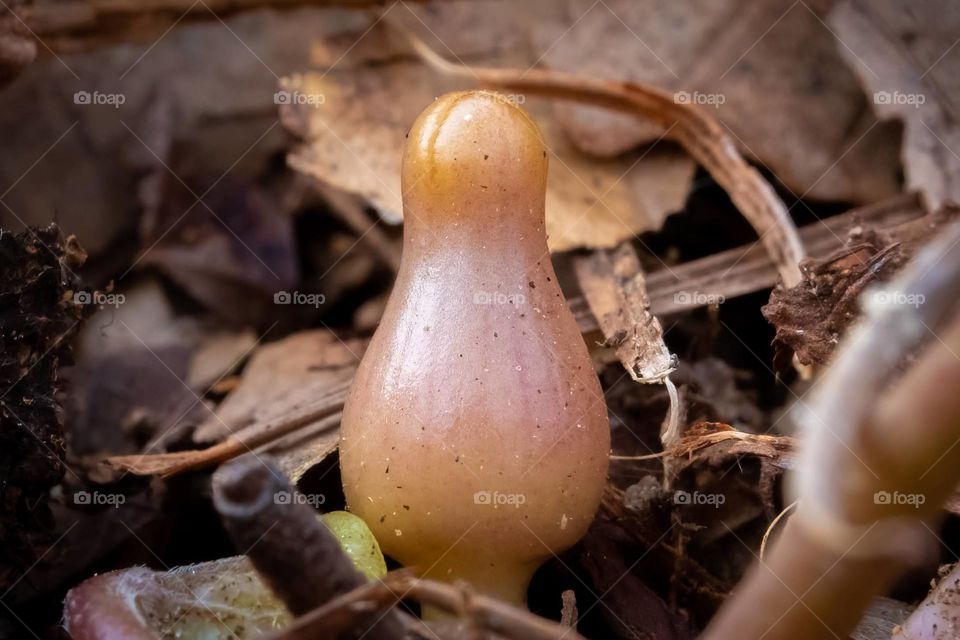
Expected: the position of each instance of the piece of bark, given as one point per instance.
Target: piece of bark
(568, 614)
(283, 377)
(39, 315)
(746, 269)
(812, 317)
(613, 284)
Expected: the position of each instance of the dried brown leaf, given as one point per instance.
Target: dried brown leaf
(773, 66)
(904, 54)
(354, 139)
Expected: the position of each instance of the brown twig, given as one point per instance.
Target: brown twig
(480, 613)
(289, 546)
(702, 136)
(168, 464)
(487, 613)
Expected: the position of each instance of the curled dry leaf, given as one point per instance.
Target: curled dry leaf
(770, 70)
(905, 55)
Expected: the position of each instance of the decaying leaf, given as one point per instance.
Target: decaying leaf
(905, 55)
(141, 370)
(220, 600)
(351, 143)
(92, 157)
(770, 70)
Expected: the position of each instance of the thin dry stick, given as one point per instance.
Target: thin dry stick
(702, 136)
(488, 613)
(168, 464)
(369, 601)
(773, 525)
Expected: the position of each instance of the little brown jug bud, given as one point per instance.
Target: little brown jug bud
(475, 438)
